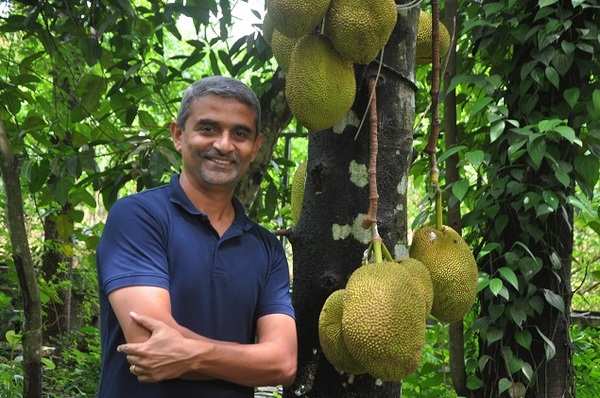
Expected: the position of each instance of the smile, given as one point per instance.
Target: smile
(221, 162)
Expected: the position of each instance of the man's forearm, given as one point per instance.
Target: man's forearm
(246, 364)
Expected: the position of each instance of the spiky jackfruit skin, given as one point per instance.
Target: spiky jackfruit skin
(267, 28)
(320, 85)
(296, 18)
(330, 335)
(359, 29)
(421, 273)
(282, 47)
(424, 37)
(453, 270)
(297, 198)
(383, 322)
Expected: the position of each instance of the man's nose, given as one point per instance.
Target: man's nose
(224, 144)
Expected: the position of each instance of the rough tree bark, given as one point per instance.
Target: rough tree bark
(32, 333)
(328, 242)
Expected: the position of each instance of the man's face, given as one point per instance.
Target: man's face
(219, 140)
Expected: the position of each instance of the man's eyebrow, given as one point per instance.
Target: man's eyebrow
(205, 121)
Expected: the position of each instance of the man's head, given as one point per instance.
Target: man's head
(220, 86)
(216, 132)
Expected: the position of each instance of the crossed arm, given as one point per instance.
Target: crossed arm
(161, 349)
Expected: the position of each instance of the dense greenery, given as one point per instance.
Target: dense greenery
(86, 92)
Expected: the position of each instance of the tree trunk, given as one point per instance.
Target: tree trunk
(275, 116)
(32, 333)
(329, 242)
(456, 337)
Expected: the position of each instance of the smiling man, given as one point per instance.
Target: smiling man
(197, 291)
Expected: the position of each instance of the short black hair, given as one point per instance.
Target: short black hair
(220, 86)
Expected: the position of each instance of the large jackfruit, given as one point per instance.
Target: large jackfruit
(453, 270)
(296, 18)
(330, 335)
(383, 321)
(424, 39)
(282, 47)
(298, 191)
(359, 29)
(320, 85)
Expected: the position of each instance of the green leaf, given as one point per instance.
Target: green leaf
(568, 133)
(596, 100)
(571, 95)
(523, 338)
(483, 360)
(562, 177)
(549, 347)
(552, 75)
(548, 124)
(509, 276)
(450, 152)
(527, 370)
(493, 334)
(460, 188)
(589, 168)
(518, 315)
(554, 300)
(503, 385)
(536, 150)
(488, 248)
(545, 3)
(48, 364)
(551, 199)
(496, 130)
(480, 104)
(495, 286)
(474, 382)
(475, 157)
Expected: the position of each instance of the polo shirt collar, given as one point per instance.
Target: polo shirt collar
(178, 196)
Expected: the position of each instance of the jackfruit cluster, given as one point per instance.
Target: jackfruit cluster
(382, 327)
(452, 268)
(320, 83)
(424, 39)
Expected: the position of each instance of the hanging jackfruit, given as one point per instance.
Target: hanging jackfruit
(424, 39)
(298, 191)
(383, 321)
(359, 29)
(320, 85)
(453, 270)
(282, 47)
(330, 335)
(296, 18)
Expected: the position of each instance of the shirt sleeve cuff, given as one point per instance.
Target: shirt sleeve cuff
(128, 280)
(277, 309)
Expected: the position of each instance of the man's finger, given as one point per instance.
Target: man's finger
(130, 349)
(132, 358)
(145, 321)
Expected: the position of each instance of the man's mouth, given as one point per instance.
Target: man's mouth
(222, 162)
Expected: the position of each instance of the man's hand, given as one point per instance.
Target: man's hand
(165, 355)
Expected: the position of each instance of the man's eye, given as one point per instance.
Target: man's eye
(206, 129)
(242, 133)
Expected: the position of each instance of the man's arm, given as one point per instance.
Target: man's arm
(168, 354)
(151, 301)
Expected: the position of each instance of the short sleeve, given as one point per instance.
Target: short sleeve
(132, 250)
(275, 297)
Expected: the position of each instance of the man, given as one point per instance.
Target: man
(199, 293)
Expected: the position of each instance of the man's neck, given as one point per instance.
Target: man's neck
(215, 203)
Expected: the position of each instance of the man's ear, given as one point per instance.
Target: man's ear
(176, 134)
(258, 141)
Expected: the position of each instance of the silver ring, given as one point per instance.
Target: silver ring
(132, 369)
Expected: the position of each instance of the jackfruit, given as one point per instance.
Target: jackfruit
(424, 32)
(421, 274)
(320, 85)
(383, 322)
(453, 270)
(298, 191)
(296, 18)
(359, 29)
(330, 335)
(282, 47)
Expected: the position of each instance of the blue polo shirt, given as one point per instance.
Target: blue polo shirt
(219, 286)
